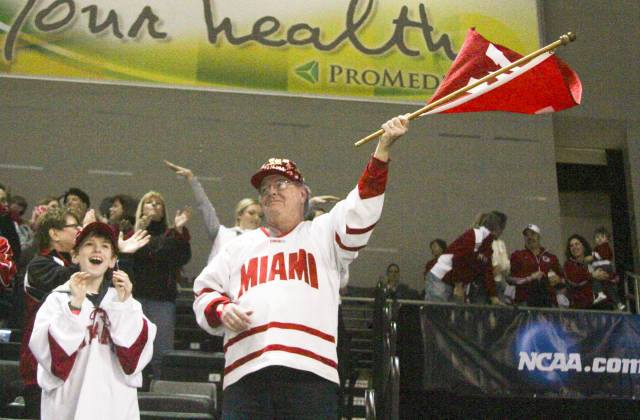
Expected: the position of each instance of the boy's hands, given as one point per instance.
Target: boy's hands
(78, 286)
(122, 284)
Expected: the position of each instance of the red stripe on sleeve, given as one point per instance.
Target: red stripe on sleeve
(61, 363)
(360, 231)
(203, 291)
(373, 180)
(211, 313)
(129, 356)
(347, 248)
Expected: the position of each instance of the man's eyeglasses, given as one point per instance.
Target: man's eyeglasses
(279, 185)
(72, 225)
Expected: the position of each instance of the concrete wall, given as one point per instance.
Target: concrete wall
(445, 171)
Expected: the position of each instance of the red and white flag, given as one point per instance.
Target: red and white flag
(544, 84)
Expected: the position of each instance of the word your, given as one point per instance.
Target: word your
(54, 17)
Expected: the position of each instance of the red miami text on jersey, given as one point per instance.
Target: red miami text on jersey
(299, 265)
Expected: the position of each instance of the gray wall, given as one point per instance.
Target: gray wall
(583, 212)
(444, 172)
(606, 58)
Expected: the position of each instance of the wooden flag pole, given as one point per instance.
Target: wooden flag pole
(563, 40)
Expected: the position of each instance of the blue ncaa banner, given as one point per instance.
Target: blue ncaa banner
(514, 352)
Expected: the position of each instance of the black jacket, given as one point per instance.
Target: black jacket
(156, 267)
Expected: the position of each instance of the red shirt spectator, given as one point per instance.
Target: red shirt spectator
(603, 257)
(579, 280)
(577, 274)
(466, 258)
(530, 271)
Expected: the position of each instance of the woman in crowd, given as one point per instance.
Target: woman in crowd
(393, 286)
(103, 209)
(122, 213)
(55, 237)
(156, 268)
(49, 202)
(18, 207)
(248, 213)
(577, 275)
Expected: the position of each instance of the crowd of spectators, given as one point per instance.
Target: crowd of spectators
(474, 268)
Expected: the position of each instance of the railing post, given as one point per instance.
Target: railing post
(636, 292)
(394, 410)
(379, 328)
(370, 404)
(625, 288)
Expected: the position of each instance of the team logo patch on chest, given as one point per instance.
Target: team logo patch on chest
(299, 265)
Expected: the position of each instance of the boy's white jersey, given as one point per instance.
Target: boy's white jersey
(90, 363)
(291, 283)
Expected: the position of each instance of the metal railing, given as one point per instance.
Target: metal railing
(635, 280)
(383, 400)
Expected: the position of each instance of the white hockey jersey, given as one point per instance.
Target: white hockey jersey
(90, 363)
(291, 283)
(224, 236)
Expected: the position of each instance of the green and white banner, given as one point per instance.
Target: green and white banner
(391, 50)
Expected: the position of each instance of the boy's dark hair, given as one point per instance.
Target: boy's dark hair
(52, 219)
(78, 193)
(97, 230)
(602, 231)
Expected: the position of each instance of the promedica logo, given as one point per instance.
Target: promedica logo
(563, 362)
(395, 79)
(385, 78)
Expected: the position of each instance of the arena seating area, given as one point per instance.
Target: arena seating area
(376, 335)
(190, 386)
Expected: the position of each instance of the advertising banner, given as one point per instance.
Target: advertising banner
(530, 353)
(368, 49)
